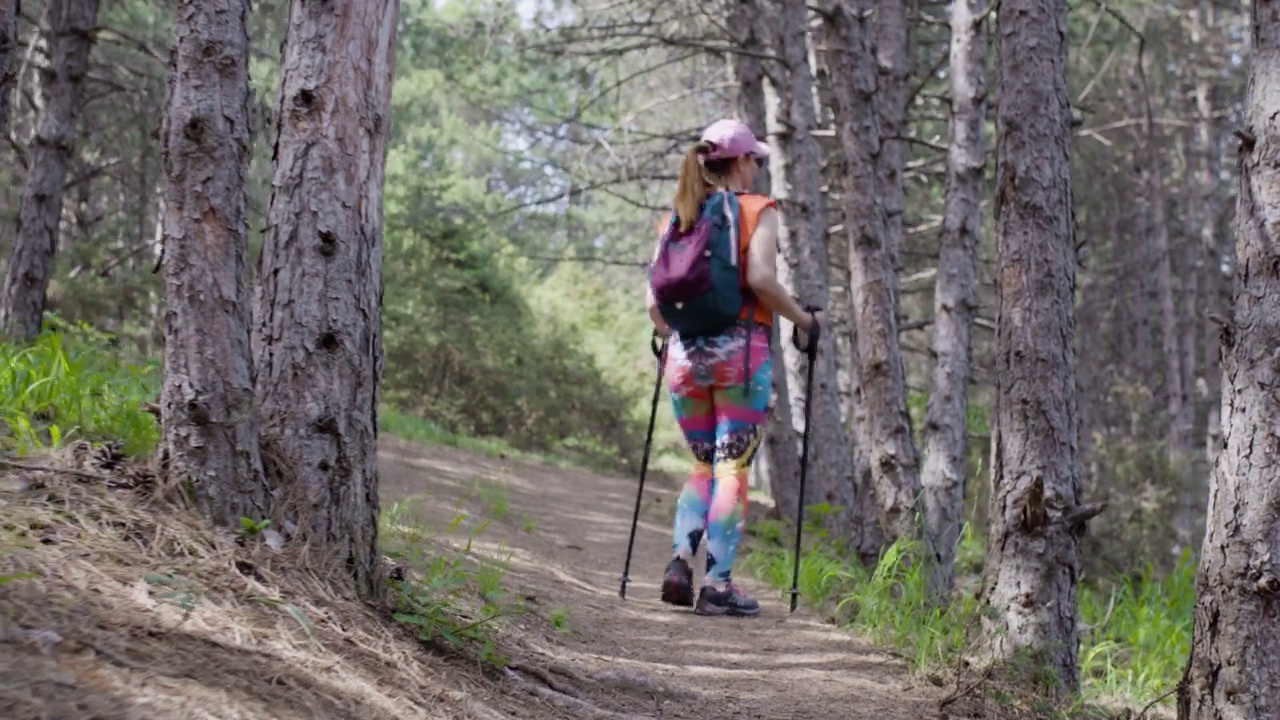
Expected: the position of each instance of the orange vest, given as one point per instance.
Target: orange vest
(750, 205)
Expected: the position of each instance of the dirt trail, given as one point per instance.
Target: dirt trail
(640, 658)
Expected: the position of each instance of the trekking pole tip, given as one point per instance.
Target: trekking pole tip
(622, 588)
(795, 593)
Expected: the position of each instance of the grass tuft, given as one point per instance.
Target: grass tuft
(67, 385)
(452, 595)
(1138, 631)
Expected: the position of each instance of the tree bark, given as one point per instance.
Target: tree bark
(797, 173)
(1177, 402)
(317, 326)
(210, 436)
(840, 320)
(839, 311)
(71, 26)
(1234, 670)
(1036, 518)
(1206, 181)
(748, 70)
(779, 463)
(10, 10)
(1141, 309)
(1192, 473)
(885, 434)
(893, 58)
(946, 419)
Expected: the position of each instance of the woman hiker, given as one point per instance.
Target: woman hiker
(721, 384)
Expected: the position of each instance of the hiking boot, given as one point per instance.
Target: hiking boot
(730, 601)
(677, 585)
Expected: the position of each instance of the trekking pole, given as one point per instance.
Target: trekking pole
(659, 348)
(810, 349)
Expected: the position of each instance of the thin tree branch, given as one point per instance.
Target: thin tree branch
(586, 259)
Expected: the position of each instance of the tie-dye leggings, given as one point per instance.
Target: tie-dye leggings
(723, 420)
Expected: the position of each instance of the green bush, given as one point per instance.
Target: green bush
(69, 384)
(466, 351)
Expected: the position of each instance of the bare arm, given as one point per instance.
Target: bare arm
(762, 272)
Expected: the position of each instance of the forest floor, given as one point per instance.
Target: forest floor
(114, 606)
(564, 533)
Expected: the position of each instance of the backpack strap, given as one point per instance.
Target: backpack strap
(735, 232)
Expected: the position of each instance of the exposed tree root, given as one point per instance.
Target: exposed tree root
(562, 696)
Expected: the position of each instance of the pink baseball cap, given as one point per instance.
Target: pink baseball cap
(731, 139)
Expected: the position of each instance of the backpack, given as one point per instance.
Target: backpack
(696, 277)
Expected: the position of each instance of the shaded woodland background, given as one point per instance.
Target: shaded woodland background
(533, 153)
(531, 159)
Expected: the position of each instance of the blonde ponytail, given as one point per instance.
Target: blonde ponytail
(697, 178)
(691, 188)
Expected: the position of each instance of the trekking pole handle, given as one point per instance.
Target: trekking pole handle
(810, 347)
(657, 344)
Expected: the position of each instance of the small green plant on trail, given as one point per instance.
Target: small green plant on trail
(253, 528)
(14, 577)
(440, 598)
(489, 577)
(295, 612)
(529, 524)
(1137, 632)
(560, 619)
(493, 498)
(185, 592)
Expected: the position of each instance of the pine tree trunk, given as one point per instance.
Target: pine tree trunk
(1033, 556)
(1192, 476)
(1176, 399)
(946, 419)
(71, 26)
(210, 434)
(779, 462)
(748, 70)
(1235, 656)
(780, 459)
(9, 13)
(1206, 179)
(797, 173)
(317, 326)
(839, 316)
(839, 310)
(885, 435)
(893, 57)
(1142, 309)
